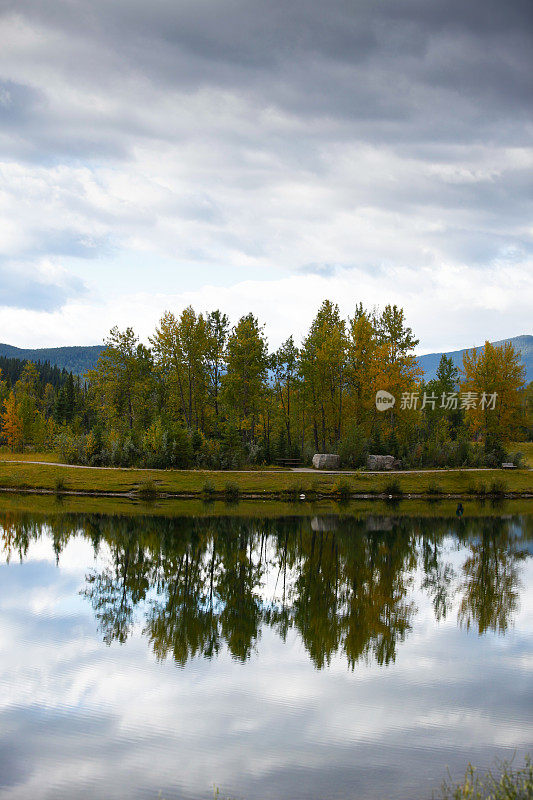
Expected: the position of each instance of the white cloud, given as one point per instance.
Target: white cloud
(448, 306)
(214, 158)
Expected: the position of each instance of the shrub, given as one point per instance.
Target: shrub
(167, 444)
(209, 455)
(393, 487)
(148, 490)
(60, 485)
(434, 487)
(353, 448)
(71, 448)
(343, 490)
(231, 491)
(517, 459)
(208, 488)
(498, 487)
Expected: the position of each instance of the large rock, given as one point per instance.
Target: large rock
(381, 462)
(324, 524)
(379, 523)
(326, 461)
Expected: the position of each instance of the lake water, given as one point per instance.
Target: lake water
(325, 656)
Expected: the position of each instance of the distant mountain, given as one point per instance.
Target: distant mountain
(73, 359)
(80, 359)
(524, 344)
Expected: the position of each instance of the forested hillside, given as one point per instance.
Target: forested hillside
(81, 359)
(522, 344)
(11, 370)
(74, 359)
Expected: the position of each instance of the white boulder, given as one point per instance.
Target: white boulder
(326, 461)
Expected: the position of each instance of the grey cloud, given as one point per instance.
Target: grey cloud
(358, 61)
(426, 81)
(324, 270)
(24, 287)
(17, 103)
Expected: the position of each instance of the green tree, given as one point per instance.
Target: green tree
(216, 340)
(361, 355)
(120, 383)
(284, 364)
(323, 366)
(245, 379)
(397, 371)
(180, 348)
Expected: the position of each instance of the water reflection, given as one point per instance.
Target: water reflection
(344, 584)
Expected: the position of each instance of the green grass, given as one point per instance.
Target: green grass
(7, 455)
(257, 483)
(267, 508)
(505, 782)
(526, 448)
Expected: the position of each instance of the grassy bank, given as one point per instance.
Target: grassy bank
(504, 782)
(526, 448)
(52, 505)
(232, 485)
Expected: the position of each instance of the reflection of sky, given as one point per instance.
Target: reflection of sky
(79, 719)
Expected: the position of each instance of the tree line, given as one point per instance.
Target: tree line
(38, 401)
(202, 393)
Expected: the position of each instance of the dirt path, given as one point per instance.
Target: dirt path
(266, 472)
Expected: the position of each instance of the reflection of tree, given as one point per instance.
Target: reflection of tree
(491, 581)
(378, 614)
(438, 576)
(315, 610)
(200, 583)
(114, 593)
(237, 587)
(182, 622)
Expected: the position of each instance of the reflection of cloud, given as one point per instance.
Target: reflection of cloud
(80, 719)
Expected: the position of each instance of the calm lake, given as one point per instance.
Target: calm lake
(310, 655)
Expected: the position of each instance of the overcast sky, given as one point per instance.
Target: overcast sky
(262, 155)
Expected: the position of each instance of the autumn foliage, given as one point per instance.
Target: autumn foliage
(12, 423)
(202, 393)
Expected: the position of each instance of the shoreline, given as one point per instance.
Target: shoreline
(38, 477)
(276, 496)
(283, 496)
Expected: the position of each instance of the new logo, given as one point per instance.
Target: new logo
(384, 400)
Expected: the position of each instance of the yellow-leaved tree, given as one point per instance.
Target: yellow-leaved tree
(12, 423)
(494, 377)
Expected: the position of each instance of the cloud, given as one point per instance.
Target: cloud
(266, 139)
(448, 309)
(45, 288)
(76, 713)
